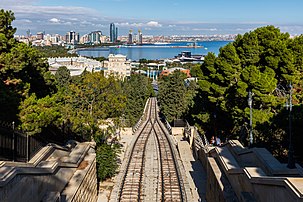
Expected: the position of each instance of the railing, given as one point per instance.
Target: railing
(167, 125)
(187, 130)
(142, 118)
(17, 146)
(199, 140)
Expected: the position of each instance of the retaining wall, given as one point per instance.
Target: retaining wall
(54, 174)
(235, 173)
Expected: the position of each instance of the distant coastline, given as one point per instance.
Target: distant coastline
(152, 51)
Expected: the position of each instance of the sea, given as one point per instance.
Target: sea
(158, 51)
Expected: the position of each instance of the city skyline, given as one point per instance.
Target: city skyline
(155, 17)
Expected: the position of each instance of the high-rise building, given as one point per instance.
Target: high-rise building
(116, 34)
(95, 37)
(84, 39)
(40, 35)
(112, 33)
(28, 33)
(72, 37)
(130, 37)
(140, 41)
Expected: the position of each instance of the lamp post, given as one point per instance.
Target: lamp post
(13, 142)
(215, 125)
(250, 118)
(291, 160)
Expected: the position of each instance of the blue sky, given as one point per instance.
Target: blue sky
(156, 17)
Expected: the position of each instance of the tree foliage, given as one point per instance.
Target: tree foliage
(22, 70)
(263, 61)
(36, 114)
(107, 160)
(39, 102)
(6, 30)
(63, 77)
(93, 99)
(137, 89)
(174, 96)
(54, 51)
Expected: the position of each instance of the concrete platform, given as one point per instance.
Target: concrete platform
(195, 172)
(106, 187)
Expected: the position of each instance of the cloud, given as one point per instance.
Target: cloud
(60, 19)
(291, 28)
(244, 29)
(23, 21)
(205, 29)
(153, 24)
(8, 3)
(74, 19)
(139, 24)
(85, 22)
(68, 23)
(54, 20)
(127, 24)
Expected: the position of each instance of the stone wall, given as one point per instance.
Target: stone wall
(50, 173)
(235, 173)
(83, 184)
(214, 185)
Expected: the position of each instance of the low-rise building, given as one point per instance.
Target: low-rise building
(117, 65)
(171, 70)
(76, 65)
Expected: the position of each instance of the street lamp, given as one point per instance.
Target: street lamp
(250, 119)
(13, 142)
(291, 160)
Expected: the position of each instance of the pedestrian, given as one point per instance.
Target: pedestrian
(218, 141)
(212, 140)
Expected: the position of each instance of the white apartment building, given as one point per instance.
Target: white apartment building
(117, 65)
(76, 65)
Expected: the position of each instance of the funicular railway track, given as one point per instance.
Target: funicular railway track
(151, 172)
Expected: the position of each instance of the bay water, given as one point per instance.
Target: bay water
(156, 51)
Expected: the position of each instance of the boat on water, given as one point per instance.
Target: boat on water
(91, 49)
(161, 43)
(186, 56)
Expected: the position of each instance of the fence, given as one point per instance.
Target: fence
(17, 146)
(200, 140)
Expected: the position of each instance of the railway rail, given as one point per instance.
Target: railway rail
(151, 171)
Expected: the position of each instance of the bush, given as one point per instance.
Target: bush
(107, 160)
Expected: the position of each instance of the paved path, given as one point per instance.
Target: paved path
(195, 172)
(106, 187)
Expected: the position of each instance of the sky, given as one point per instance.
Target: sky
(155, 17)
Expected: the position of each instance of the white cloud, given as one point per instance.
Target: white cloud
(153, 24)
(244, 29)
(84, 22)
(205, 29)
(127, 24)
(23, 21)
(8, 3)
(139, 24)
(54, 20)
(68, 23)
(291, 28)
(74, 19)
